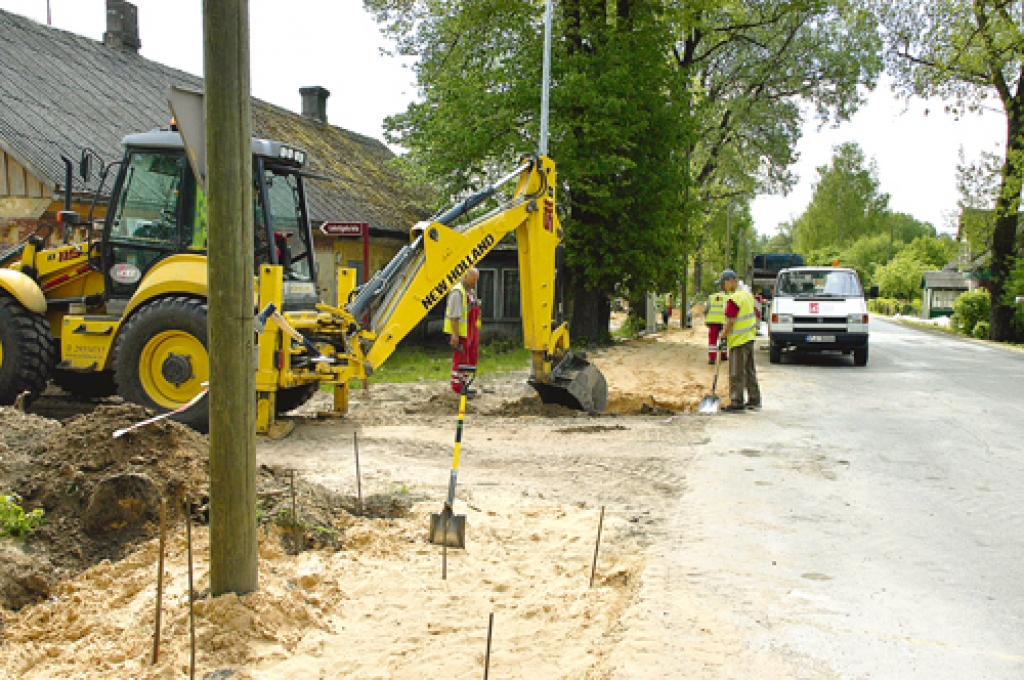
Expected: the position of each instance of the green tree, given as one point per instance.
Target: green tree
(749, 69)
(615, 125)
(901, 278)
(867, 253)
(969, 51)
(846, 204)
(932, 251)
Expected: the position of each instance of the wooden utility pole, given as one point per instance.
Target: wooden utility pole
(233, 548)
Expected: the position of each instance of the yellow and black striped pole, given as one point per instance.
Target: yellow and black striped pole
(458, 449)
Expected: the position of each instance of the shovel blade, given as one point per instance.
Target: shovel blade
(709, 404)
(455, 536)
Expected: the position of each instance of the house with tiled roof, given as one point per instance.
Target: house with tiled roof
(63, 95)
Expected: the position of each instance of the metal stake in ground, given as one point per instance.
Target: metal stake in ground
(191, 595)
(295, 525)
(487, 657)
(597, 547)
(359, 477)
(160, 580)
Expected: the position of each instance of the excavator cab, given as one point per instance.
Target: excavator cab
(157, 210)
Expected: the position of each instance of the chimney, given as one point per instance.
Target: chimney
(122, 26)
(314, 102)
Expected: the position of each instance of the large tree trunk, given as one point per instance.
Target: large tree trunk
(591, 311)
(1004, 236)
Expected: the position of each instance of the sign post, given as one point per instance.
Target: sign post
(361, 229)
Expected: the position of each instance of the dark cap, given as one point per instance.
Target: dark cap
(725, 276)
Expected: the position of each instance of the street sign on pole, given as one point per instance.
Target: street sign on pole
(344, 228)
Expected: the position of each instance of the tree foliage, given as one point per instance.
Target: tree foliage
(615, 123)
(970, 52)
(901, 278)
(846, 204)
(848, 220)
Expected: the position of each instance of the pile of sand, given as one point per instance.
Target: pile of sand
(377, 609)
(658, 374)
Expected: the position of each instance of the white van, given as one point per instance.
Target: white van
(819, 309)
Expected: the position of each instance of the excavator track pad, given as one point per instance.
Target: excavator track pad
(575, 383)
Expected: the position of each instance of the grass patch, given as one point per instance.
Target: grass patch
(413, 363)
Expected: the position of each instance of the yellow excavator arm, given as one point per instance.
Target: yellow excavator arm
(396, 299)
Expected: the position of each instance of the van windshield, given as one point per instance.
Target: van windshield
(819, 283)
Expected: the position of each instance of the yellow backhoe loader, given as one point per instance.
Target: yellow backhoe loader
(126, 311)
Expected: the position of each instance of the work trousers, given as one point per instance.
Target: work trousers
(743, 375)
(714, 329)
(468, 351)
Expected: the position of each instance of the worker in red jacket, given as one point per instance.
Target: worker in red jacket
(462, 324)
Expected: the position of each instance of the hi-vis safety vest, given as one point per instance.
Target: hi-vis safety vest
(744, 326)
(716, 309)
(464, 317)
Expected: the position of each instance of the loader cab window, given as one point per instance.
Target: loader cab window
(151, 212)
(291, 235)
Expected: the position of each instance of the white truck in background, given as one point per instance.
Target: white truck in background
(819, 309)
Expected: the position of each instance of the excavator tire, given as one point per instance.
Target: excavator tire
(28, 352)
(575, 383)
(291, 398)
(161, 359)
(91, 385)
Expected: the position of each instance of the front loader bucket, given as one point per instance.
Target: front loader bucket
(576, 383)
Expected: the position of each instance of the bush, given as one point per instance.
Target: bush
(886, 306)
(969, 309)
(980, 330)
(13, 519)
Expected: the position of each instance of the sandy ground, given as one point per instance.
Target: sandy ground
(532, 483)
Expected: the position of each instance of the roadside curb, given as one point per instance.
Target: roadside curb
(952, 335)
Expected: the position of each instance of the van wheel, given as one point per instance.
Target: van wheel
(27, 351)
(774, 353)
(860, 356)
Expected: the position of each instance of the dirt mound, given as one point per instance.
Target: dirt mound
(532, 406)
(658, 375)
(446, 402)
(320, 515)
(20, 434)
(100, 495)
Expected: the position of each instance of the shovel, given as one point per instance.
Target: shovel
(446, 528)
(709, 404)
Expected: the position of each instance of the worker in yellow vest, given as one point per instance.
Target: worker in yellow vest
(462, 324)
(740, 332)
(714, 319)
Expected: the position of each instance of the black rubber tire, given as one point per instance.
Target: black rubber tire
(291, 398)
(92, 385)
(860, 356)
(29, 351)
(167, 314)
(774, 353)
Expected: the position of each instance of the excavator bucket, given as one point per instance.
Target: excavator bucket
(576, 383)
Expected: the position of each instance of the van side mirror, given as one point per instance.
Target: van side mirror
(766, 292)
(873, 292)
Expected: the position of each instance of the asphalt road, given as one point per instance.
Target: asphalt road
(868, 523)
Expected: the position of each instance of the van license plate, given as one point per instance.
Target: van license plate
(821, 338)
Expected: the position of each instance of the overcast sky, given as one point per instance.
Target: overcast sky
(336, 44)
